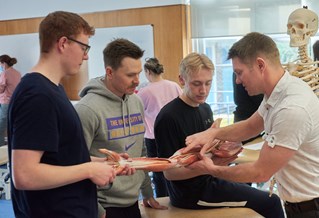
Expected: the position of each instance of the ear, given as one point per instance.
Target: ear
(181, 80)
(261, 64)
(109, 72)
(61, 43)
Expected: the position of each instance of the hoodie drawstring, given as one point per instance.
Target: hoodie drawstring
(128, 117)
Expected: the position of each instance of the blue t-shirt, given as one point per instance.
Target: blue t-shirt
(42, 118)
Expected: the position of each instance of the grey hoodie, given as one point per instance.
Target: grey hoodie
(102, 114)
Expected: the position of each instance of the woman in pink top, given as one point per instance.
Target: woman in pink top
(155, 95)
(9, 79)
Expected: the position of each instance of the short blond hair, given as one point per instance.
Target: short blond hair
(193, 62)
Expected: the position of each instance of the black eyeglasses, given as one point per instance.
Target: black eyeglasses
(85, 48)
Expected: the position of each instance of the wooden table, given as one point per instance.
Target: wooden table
(251, 151)
(174, 212)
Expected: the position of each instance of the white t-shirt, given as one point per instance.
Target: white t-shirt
(291, 119)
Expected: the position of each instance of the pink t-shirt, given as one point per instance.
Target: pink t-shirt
(154, 96)
(9, 80)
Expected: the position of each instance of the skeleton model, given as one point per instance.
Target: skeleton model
(302, 24)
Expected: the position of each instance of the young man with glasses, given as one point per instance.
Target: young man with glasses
(85, 47)
(51, 169)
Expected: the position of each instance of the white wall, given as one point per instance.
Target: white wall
(16, 9)
(140, 35)
(25, 47)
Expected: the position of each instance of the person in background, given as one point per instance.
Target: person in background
(288, 115)
(154, 96)
(51, 170)
(189, 114)
(245, 105)
(112, 118)
(9, 79)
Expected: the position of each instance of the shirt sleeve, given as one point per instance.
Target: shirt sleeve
(89, 121)
(35, 124)
(290, 127)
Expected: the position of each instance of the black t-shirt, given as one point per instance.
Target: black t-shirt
(42, 118)
(245, 105)
(173, 124)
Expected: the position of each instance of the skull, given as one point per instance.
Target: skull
(302, 24)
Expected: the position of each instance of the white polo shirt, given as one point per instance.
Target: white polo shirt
(291, 120)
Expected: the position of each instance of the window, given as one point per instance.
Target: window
(216, 26)
(221, 94)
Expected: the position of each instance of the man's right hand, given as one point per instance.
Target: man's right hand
(101, 174)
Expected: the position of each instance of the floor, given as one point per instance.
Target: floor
(6, 208)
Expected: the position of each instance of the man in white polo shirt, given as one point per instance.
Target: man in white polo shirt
(289, 116)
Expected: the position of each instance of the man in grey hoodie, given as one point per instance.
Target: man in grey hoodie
(112, 118)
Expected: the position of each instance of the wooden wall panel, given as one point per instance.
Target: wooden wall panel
(170, 24)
